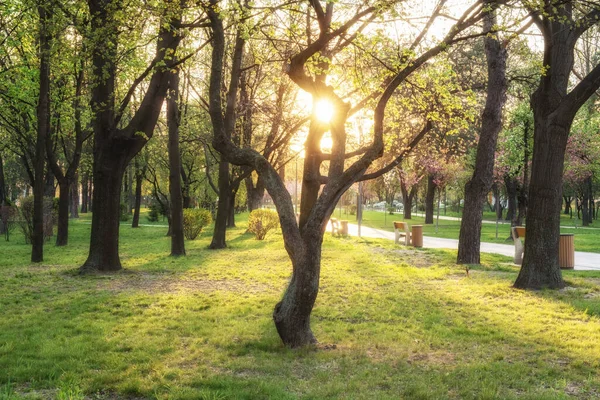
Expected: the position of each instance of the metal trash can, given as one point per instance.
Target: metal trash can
(417, 235)
(566, 251)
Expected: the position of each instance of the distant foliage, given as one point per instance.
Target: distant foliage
(8, 219)
(156, 210)
(26, 217)
(124, 213)
(261, 221)
(194, 220)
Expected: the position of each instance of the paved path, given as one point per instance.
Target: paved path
(583, 261)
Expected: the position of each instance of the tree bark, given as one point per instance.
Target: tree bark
(255, 193)
(84, 193)
(219, 234)
(62, 235)
(139, 178)
(407, 199)
(554, 110)
(75, 196)
(3, 192)
(477, 188)
(49, 188)
(429, 199)
(173, 120)
(511, 184)
(43, 120)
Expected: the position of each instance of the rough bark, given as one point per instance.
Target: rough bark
(49, 188)
(173, 120)
(554, 110)
(43, 120)
(477, 188)
(429, 199)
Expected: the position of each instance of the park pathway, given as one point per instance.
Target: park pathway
(583, 261)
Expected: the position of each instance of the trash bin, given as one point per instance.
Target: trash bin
(417, 235)
(344, 227)
(566, 251)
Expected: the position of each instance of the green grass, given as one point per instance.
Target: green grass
(393, 322)
(586, 239)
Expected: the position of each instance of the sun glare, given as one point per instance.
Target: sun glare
(324, 111)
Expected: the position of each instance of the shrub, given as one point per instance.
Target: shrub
(261, 221)
(8, 219)
(391, 210)
(352, 209)
(26, 218)
(194, 220)
(156, 210)
(124, 214)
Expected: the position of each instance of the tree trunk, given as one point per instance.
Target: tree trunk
(479, 185)
(568, 201)
(75, 196)
(219, 234)
(49, 188)
(407, 200)
(84, 193)
(292, 313)
(255, 193)
(173, 119)
(231, 216)
(90, 196)
(62, 235)
(429, 199)
(43, 120)
(106, 210)
(511, 184)
(3, 192)
(135, 223)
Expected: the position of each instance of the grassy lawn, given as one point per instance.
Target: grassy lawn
(586, 239)
(393, 322)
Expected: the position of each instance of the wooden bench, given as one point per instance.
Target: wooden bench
(402, 230)
(518, 233)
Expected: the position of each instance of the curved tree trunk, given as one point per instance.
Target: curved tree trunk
(477, 188)
(429, 199)
(292, 313)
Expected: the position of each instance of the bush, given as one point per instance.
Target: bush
(391, 210)
(352, 209)
(8, 219)
(194, 220)
(124, 215)
(156, 210)
(26, 218)
(261, 221)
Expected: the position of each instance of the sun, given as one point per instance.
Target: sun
(324, 111)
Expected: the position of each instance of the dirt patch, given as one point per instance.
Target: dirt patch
(413, 258)
(153, 283)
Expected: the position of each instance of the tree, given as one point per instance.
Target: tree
(116, 143)
(43, 122)
(554, 109)
(303, 240)
(173, 122)
(491, 123)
